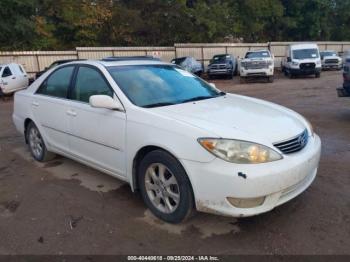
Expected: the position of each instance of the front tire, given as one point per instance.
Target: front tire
(37, 145)
(165, 187)
(318, 75)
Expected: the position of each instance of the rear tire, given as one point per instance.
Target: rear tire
(270, 79)
(165, 187)
(318, 75)
(37, 145)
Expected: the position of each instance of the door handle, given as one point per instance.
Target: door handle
(36, 104)
(71, 113)
(14, 77)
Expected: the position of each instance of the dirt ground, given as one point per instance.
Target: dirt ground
(62, 207)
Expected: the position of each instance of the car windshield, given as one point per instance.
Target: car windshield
(259, 54)
(220, 58)
(305, 53)
(160, 85)
(328, 53)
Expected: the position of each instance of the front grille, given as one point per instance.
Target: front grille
(256, 65)
(293, 145)
(218, 66)
(307, 66)
(331, 61)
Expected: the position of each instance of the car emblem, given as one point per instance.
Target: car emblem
(301, 141)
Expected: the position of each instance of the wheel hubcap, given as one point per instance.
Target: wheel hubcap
(35, 142)
(162, 188)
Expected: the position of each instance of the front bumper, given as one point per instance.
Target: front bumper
(219, 71)
(342, 92)
(332, 66)
(277, 181)
(299, 71)
(256, 72)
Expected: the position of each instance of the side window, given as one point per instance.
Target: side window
(7, 72)
(57, 83)
(90, 82)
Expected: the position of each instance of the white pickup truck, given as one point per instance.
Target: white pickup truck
(257, 63)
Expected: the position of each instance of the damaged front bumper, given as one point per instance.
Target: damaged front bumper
(218, 186)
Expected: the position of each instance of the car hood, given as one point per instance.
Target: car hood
(331, 57)
(239, 117)
(219, 63)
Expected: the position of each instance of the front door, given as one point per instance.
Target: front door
(97, 134)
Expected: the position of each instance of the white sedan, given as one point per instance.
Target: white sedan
(175, 138)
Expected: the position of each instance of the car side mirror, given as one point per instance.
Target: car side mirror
(104, 101)
(212, 85)
(289, 59)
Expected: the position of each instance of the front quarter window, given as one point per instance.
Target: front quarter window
(159, 85)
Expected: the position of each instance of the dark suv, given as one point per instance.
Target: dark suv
(345, 90)
(223, 64)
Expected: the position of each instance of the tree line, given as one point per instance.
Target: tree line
(65, 24)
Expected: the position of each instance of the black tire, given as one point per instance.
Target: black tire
(242, 80)
(270, 79)
(45, 155)
(230, 75)
(318, 75)
(210, 76)
(186, 204)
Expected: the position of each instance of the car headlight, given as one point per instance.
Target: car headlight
(239, 152)
(318, 62)
(295, 63)
(310, 127)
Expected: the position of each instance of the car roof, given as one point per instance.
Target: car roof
(303, 45)
(120, 62)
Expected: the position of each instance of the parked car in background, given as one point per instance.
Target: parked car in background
(222, 65)
(190, 64)
(56, 63)
(344, 91)
(13, 77)
(331, 60)
(302, 59)
(257, 63)
(179, 141)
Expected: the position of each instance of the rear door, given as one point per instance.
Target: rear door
(97, 134)
(23, 76)
(49, 106)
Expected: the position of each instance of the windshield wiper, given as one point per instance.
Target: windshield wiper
(197, 98)
(159, 104)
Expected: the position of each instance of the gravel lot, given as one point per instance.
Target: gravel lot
(62, 207)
